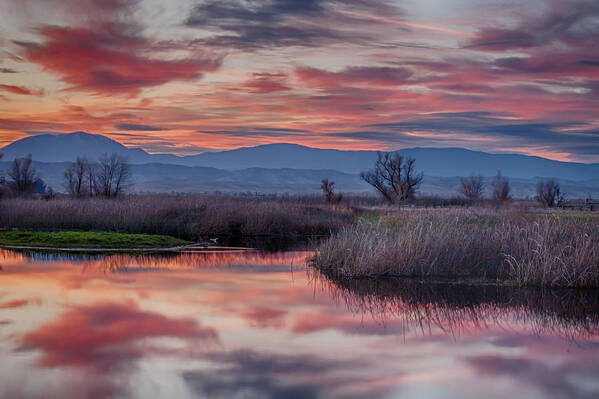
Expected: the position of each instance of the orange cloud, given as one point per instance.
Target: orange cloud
(19, 90)
(19, 303)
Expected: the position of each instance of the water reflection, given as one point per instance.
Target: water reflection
(233, 260)
(456, 308)
(258, 325)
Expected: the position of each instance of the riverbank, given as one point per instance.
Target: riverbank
(484, 245)
(87, 240)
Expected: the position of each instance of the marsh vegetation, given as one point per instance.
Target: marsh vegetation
(188, 217)
(474, 244)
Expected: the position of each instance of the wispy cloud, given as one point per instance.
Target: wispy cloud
(405, 23)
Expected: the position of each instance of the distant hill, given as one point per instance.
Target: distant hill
(157, 178)
(441, 162)
(67, 147)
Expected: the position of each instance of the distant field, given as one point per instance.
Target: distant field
(86, 239)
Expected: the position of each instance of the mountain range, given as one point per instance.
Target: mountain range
(291, 167)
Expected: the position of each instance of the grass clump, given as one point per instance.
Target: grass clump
(87, 239)
(468, 244)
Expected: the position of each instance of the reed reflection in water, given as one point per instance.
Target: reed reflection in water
(571, 313)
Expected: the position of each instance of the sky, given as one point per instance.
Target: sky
(187, 76)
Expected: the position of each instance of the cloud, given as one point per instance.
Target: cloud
(253, 374)
(473, 127)
(19, 303)
(283, 23)
(19, 90)
(571, 22)
(380, 76)
(561, 379)
(103, 50)
(31, 125)
(255, 131)
(138, 127)
(104, 336)
(265, 317)
(265, 83)
(404, 23)
(106, 62)
(347, 324)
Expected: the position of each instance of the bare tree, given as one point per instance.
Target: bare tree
(410, 180)
(500, 188)
(24, 179)
(393, 177)
(472, 187)
(112, 175)
(549, 193)
(75, 176)
(90, 179)
(329, 192)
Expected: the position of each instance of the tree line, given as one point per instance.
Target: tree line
(108, 177)
(548, 192)
(22, 179)
(395, 178)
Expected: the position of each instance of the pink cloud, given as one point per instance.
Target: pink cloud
(103, 336)
(106, 62)
(378, 76)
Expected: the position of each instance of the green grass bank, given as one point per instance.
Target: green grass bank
(87, 239)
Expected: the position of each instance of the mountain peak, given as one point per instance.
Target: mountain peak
(59, 147)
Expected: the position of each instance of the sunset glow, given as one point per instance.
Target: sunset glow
(189, 76)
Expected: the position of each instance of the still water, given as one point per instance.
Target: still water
(262, 325)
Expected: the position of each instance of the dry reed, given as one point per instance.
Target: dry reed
(188, 217)
(467, 244)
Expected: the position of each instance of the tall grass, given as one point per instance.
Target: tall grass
(188, 217)
(467, 244)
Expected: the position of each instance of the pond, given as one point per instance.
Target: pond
(263, 325)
